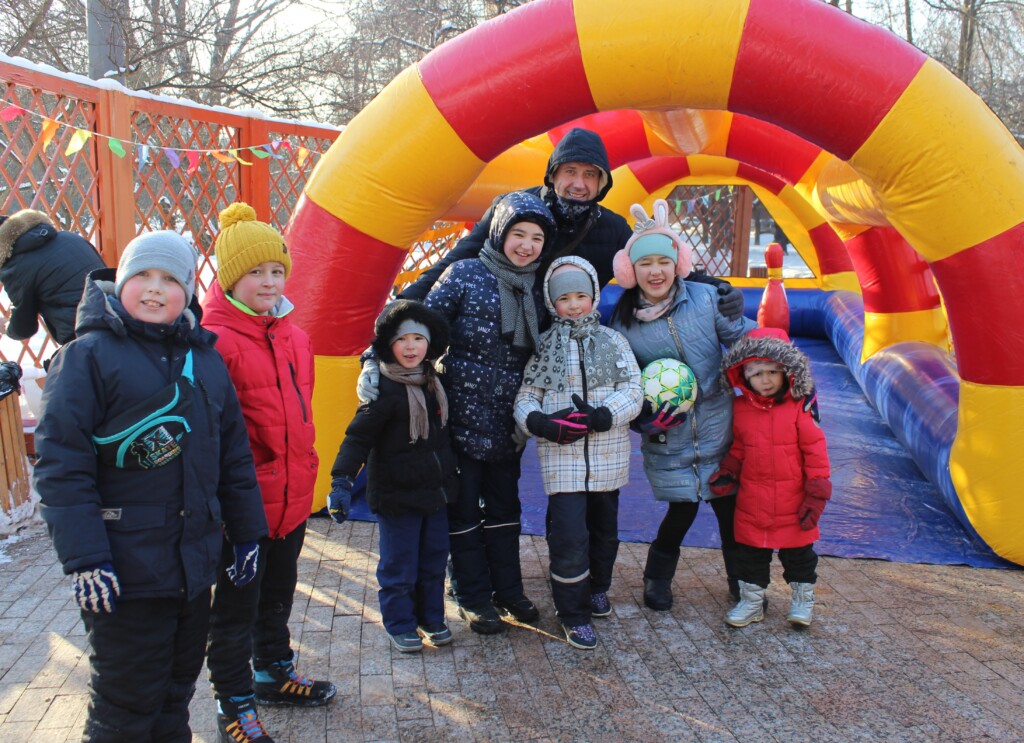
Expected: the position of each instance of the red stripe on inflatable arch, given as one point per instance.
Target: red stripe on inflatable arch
(893, 277)
(655, 172)
(759, 177)
(510, 78)
(341, 278)
(774, 150)
(819, 72)
(832, 255)
(983, 288)
(622, 132)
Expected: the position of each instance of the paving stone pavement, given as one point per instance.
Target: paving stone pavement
(897, 652)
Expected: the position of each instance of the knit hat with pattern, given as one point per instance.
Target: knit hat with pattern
(244, 242)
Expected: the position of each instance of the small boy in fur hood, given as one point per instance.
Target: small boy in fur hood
(778, 466)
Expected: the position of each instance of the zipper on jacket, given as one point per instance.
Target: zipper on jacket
(586, 439)
(696, 450)
(440, 469)
(295, 384)
(210, 424)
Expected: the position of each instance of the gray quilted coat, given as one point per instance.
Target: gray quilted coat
(679, 462)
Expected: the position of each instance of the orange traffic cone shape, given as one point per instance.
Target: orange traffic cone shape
(773, 311)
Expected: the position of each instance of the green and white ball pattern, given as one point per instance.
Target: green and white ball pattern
(669, 381)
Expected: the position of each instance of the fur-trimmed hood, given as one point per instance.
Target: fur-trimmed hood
(769, 344)
(407, 309)
(17, 225)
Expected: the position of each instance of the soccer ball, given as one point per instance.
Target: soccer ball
(669, 381)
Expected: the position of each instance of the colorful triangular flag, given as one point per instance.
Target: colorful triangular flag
(78, 140)
(10, 113)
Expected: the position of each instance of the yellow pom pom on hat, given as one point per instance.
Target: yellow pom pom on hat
(244, 242)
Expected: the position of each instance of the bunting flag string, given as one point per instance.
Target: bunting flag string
(146, 153)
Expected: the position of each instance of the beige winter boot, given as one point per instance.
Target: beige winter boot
(750, 607)
(801, 610)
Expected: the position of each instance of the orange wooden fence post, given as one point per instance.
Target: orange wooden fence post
(14, 482)
(115, 194)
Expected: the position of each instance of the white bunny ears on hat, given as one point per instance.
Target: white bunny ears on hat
(649, 239)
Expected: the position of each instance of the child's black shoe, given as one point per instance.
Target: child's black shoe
(238, 721)
(280, 683)
(521, 608)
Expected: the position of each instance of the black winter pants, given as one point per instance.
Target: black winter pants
(145, 658)
(251, 622)
(583, 541)
(799, 564)
(484, 526)
(679, 518)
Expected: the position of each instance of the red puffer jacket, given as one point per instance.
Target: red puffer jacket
(271, 364)
(778, 447)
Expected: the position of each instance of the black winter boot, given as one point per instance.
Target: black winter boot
(658, 574)
(280, 683)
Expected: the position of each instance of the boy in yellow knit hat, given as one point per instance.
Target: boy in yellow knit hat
(271, 364)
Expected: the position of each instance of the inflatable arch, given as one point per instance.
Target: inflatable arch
(941, 171)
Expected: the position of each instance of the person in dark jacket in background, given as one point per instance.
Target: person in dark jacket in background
(577, 178)
(496, 311)
(402, 437)
(143, 462)
(43, 271)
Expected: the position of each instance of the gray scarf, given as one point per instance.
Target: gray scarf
(415, 380)
(549, 368)
(515, 295)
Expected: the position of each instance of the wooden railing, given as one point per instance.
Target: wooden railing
(147, 163)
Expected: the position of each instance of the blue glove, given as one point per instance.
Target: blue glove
(243, 570)
(339, 502)
(96, 588)
(651, 421)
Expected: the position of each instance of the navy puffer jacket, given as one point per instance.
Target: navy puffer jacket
(43, 271)
(482, 372)
(161, 528)
(604, 232)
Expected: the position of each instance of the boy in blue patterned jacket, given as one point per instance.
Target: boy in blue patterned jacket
(579, 394)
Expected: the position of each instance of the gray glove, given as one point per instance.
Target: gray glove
(368, 384)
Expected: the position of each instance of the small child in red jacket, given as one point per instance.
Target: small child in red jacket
(779, 463)
(271, 365)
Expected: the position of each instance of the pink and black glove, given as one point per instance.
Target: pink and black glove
(562, 427)
(816, 495)
(597, 419)
(726, 481)
(651, 422)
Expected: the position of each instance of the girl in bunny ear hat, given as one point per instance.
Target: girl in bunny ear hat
(663, 316)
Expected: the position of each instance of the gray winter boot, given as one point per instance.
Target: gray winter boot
(750, 607)
(801, 610)
(658, 573)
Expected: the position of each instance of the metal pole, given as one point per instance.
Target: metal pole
(106, 40)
